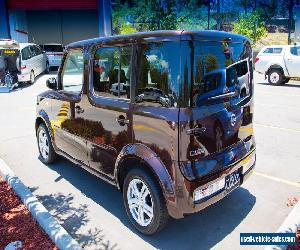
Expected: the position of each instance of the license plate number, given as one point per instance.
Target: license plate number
(232, 180)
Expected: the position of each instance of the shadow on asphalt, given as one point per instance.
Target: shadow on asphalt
(202, 230)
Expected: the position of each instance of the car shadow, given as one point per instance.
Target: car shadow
(202, 230)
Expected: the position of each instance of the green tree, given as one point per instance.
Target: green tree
(250, 25)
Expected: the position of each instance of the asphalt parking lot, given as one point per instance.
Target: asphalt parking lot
(92, 210)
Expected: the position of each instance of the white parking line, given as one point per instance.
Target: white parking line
(275, 127)
(291, 183)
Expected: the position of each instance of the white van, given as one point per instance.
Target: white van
(33, 62)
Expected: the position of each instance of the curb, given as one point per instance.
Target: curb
(49, 224)
(289, 225)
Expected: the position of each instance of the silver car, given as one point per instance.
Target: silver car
(54, 52)
(32, 62)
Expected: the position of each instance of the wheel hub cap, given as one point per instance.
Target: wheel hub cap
(43, 144)
(140, 202)
(274, 77)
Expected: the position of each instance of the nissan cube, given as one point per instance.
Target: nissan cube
(176, 133)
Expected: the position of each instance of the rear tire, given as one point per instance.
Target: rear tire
(144, 202)
(46, 150)
(275, 76)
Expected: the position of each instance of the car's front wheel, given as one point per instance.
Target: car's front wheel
(46, 150)
(144, 202)
(275, 76)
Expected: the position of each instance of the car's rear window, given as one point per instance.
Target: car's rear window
(216, 68)
(53, 48)
(272, 50)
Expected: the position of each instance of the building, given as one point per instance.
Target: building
(54, 21)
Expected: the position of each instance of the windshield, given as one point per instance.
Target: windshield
(53, 48)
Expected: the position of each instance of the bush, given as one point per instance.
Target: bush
(250, 25)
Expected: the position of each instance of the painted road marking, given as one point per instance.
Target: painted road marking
(291, 183)
(275, 127)
(142, 127)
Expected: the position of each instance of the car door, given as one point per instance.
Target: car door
(293, 61)
(107, 114)
(67, 119)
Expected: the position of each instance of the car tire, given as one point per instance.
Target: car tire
(286, 80)
(46, 150)
(275, 76)
(152, 204)
(47, 70)
(32, 77)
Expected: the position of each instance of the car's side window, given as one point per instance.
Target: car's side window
(111, 72)
(272, 50)
(26, 53)
(295, 51)
(72, 75)
(158, 74)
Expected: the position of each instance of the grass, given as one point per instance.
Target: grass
(272, 39)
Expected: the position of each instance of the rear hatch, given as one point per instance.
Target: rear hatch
(54, 51)
(216, 128)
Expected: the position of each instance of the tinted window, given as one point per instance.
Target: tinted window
(295, 51)
(72, 76)
(35, 50)
(111, 75)
(217, 67)
(273, 50)
(26, 53)
(158, 74)
(53, 48)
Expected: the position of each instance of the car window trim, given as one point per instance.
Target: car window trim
(62, 71)
(91, 85)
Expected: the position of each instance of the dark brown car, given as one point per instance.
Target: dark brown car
(164, 116)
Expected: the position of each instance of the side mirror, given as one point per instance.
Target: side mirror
(51, 83)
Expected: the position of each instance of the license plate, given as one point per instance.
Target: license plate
(232, 180)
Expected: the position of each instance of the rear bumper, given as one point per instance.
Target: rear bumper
(185, 203)
(24, 77)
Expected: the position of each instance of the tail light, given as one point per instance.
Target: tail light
(23, 67)
(256, 60)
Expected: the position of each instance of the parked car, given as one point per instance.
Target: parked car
(54, 52)
(168, 160)
(32, 62)
(279, 63)
(23, 61)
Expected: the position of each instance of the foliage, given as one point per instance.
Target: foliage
(251, 25)
(127, 28)
(193, 16)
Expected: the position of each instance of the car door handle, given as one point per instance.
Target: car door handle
(79, 110)
(122, 120)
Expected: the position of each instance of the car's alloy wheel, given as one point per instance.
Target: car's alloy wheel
(144, 201)
(275, 77)
(140, 202)
(43, 144)
(47, 153)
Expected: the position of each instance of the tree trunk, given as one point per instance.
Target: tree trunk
(208, 16)
(218, 14)
(291, 5)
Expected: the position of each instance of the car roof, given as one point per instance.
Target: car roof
(206, 35)
(23, 45)
(52, 44)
